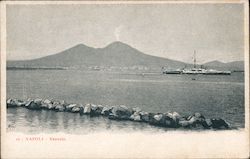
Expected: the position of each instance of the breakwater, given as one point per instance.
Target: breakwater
(121, 112)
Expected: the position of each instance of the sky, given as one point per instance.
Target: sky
(174, 31)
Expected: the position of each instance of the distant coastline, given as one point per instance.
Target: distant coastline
(115, 56)
(35, 68)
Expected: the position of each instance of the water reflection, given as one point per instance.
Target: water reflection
(31, 121)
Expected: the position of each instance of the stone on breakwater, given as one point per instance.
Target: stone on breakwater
(219, 124)
(175, 116)
(136, 116)
(11, 103)
(20, 103)
(137, 109)
(93, 107)
(156, 119)
(81, 110)
(184, 123)
(106, 110)
(70, 107)
(87, 109)
(194, 121)
(34, 104)
(120, 112)
(198, 120)
(78, 109)
(209, 122)
(38, 101)
(75, 109)
(172, 119)
(59, 106)
(96, 110)
(171, 122)
(51, 106)
(144, 116)
(46, 104)
(151, 118)
(160, 119)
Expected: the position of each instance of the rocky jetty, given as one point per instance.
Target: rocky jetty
(122, 112)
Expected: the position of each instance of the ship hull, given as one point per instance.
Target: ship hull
(172, 72)
(208, 73)
(218, 73)
(198, 72)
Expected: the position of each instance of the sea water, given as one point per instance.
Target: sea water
(215, 96)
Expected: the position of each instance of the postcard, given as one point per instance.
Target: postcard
(125, 79)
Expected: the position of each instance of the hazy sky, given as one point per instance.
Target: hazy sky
(173, 31)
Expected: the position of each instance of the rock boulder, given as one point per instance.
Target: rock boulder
(219, 124)
(106, 110)
(144, 116)
(69, 107)
(96, 110)
(120, 112)
(59, 106)
(87, 109)
(46, 104)
(135, 117)
(75, 109)
(34, 105)
(11, 103)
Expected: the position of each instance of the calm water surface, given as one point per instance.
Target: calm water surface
(212, 95)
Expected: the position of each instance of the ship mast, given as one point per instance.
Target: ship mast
(194, 59)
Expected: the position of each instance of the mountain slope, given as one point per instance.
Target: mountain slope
(115, 54)
(232, 66)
